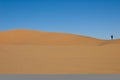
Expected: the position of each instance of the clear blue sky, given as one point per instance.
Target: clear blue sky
(95, 18)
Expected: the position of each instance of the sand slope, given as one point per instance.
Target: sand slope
(26, 59)
(48, 38)
(33, 52)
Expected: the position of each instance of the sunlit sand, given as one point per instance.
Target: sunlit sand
(34, 52)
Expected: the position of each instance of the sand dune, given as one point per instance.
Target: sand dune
(48, 38)
(34, 52)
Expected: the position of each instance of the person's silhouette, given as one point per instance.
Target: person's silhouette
(111, 37)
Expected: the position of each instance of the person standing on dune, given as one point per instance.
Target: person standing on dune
(111, 37)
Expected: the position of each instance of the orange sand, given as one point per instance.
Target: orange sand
(34, 52)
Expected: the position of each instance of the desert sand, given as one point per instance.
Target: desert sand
(37, 52)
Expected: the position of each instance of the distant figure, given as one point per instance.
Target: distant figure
(111, 37)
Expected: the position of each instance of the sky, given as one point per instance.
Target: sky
(94, 18)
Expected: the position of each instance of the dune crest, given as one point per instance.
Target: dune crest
(33, 37)
(21, 36)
